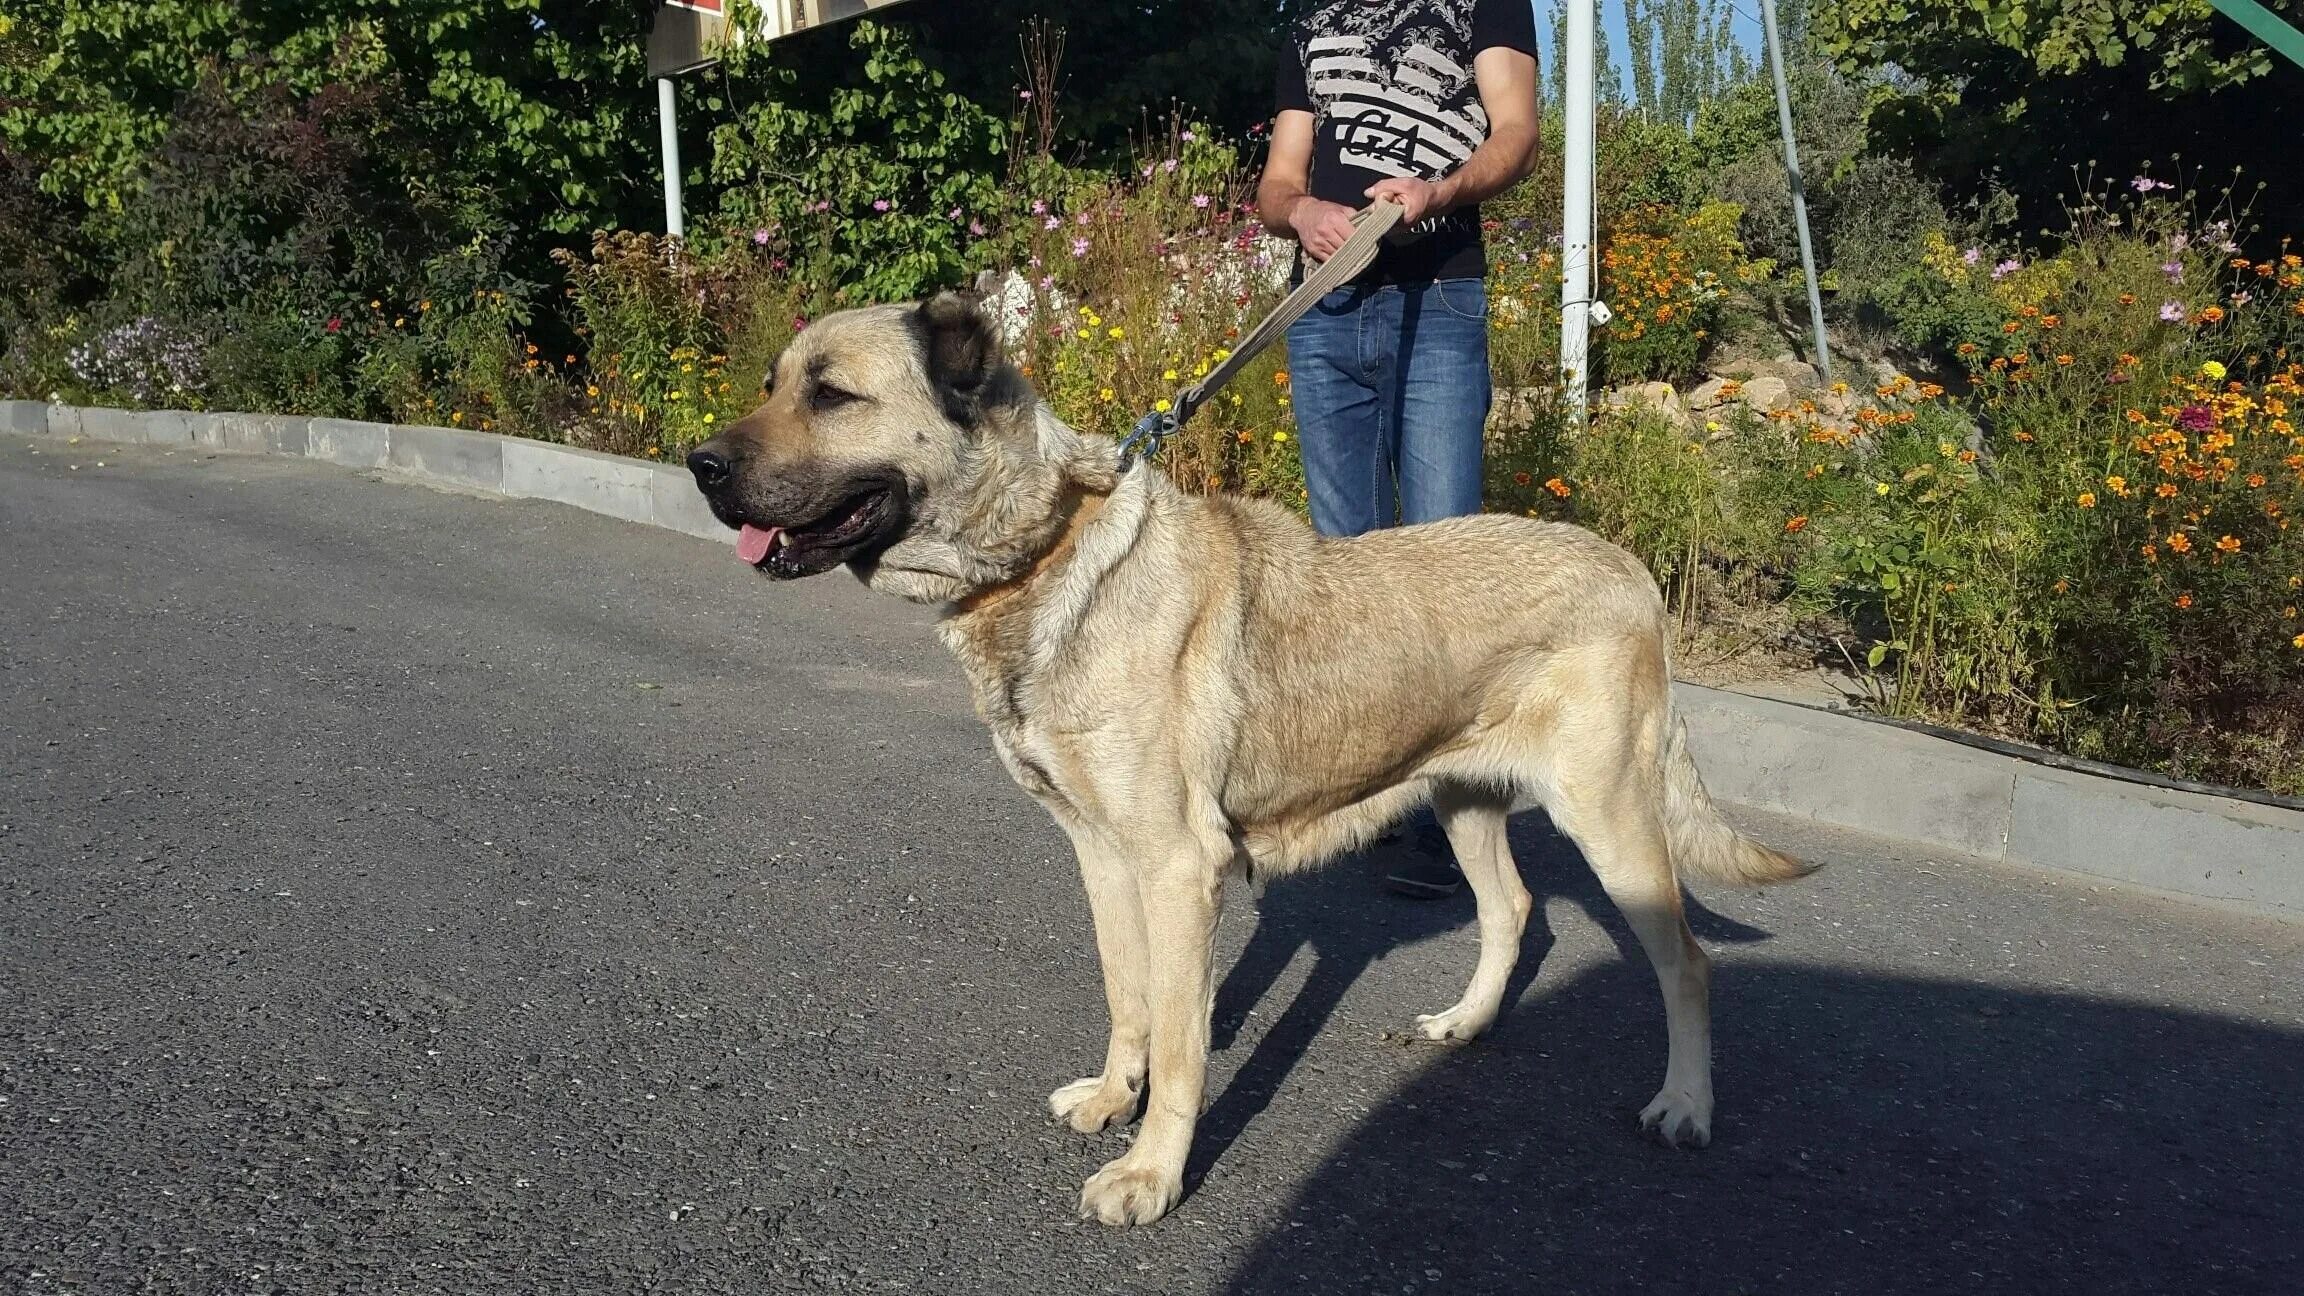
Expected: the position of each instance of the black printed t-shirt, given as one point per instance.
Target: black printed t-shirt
(1389, 86)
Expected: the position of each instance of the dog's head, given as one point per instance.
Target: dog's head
(881, 428)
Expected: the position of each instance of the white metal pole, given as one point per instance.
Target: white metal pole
(665, 97)
(1799, 196)
(1576, 79)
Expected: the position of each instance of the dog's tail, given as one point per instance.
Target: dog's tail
(1702, 842)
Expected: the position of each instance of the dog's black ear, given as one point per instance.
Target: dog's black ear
(963, 351)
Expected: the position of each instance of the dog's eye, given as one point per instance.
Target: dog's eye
(828, 397)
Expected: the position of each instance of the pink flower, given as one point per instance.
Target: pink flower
(2240, 298)
(2196, 419)
(1972, 256)
(1080, 219)
(2173, 312)
(1188, 137)
(760, 237)
(953, 214)
(879, 204)
(1200, 200)
(1053, 223)
(776, 263)
(1079, 247)
(1024, 95)
(1169, 166)
(1147, 170)
(2006, 268)
(1039, 207)
(976, 228)
(335, 323)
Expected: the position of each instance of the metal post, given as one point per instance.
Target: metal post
(665, 97)
(1576, 209)
(1799, 196)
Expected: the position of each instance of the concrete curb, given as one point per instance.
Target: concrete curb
(1769, 755)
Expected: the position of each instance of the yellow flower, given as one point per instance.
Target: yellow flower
(1106, 395)
(2117, 483)
(1279, 436)
(1167, 375)
(1095, 321)
(591, 390)
(707, 418)
(2298, 641)
(1880, 489)
(1160, 406)
(2212, 371)
(1115, 333)
(1085, 333)
(2087, 499)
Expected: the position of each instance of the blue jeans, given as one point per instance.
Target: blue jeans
(1391, 391)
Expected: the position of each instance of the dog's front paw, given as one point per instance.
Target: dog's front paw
(1122, 1194)
(1094, 1103)
(1679, 1118)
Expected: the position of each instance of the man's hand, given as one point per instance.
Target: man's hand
(1418, 199)
(1320, 226)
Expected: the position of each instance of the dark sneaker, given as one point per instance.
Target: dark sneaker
(1426, 866)
(1425, 878)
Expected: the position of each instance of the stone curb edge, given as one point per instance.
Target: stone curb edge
(1756, 752)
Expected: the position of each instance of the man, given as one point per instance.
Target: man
(1430, 104)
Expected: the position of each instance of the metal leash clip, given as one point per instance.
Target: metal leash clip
(1144, 442)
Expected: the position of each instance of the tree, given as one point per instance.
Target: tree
(2187, 46)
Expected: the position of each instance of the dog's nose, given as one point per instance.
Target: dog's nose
(710, 466)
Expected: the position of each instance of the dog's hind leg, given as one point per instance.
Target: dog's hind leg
(1475, 820)
(1608, 802)
(1115, 1096)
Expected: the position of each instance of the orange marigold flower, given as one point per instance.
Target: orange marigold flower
(1557, 487)
(2011, 327)
(2087, 499)
(1968, 456)
(2128, 361)
(1521, 479)
(2298, 641)
(2061, 585)
(2151, 553)
(2049, 321)
(2184, 601)
(2063, 359)
(2179, 542)
(2127, 299)
(1966, 349)
(2213, 314)
(2135, 416)
(2022, 435)
(1794, 525)
(2228, 544)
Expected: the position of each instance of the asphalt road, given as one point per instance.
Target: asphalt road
(407, 892)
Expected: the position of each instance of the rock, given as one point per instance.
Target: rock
(1514, 408)
(1767, 393)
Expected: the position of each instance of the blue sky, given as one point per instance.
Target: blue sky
(1745, 23)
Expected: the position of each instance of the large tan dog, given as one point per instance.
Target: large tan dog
(1193, 686)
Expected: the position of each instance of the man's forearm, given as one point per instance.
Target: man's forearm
(1276, 203)
(1501, 161)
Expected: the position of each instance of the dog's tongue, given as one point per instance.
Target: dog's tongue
(753, 543)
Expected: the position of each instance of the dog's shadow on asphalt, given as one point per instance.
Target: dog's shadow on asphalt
(1348, 930)
(1875, 1134)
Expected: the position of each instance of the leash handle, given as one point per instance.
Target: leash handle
(1370, 225)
